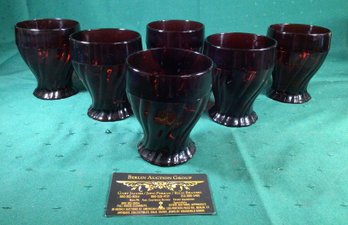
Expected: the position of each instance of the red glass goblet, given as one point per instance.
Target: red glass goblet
(243, 62)
(99, 57)
(184, 34)
(301, 51)
(168, 89)
(44, 46)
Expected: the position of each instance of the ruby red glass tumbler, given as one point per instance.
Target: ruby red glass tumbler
(168, 90)
(243, 63)
(44, 46)
(301, 51)
(99, 57)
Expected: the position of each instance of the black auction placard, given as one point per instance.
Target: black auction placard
(159, 194)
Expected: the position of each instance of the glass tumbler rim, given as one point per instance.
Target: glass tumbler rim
(199, 24)
(279, 28)
(193, 74)
(271, 46)
(74, 39)
(74, 24)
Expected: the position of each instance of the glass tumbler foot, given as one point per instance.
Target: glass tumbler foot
(109, 116)
(164, 158)
(289, 98)
(233, 121)
(54, 94)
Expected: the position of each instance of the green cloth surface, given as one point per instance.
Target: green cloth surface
(290, 168)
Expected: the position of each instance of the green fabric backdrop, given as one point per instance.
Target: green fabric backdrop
(290, 168)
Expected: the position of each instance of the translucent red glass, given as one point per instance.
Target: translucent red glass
(44, 46)
(243, 62)
(301, 51)
(168, 90)
(184, 34)
(99, 58)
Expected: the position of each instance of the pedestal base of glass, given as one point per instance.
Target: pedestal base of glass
(289, 98)
(233, 121)
(163, 158)
(109, 116)
(54, 94)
